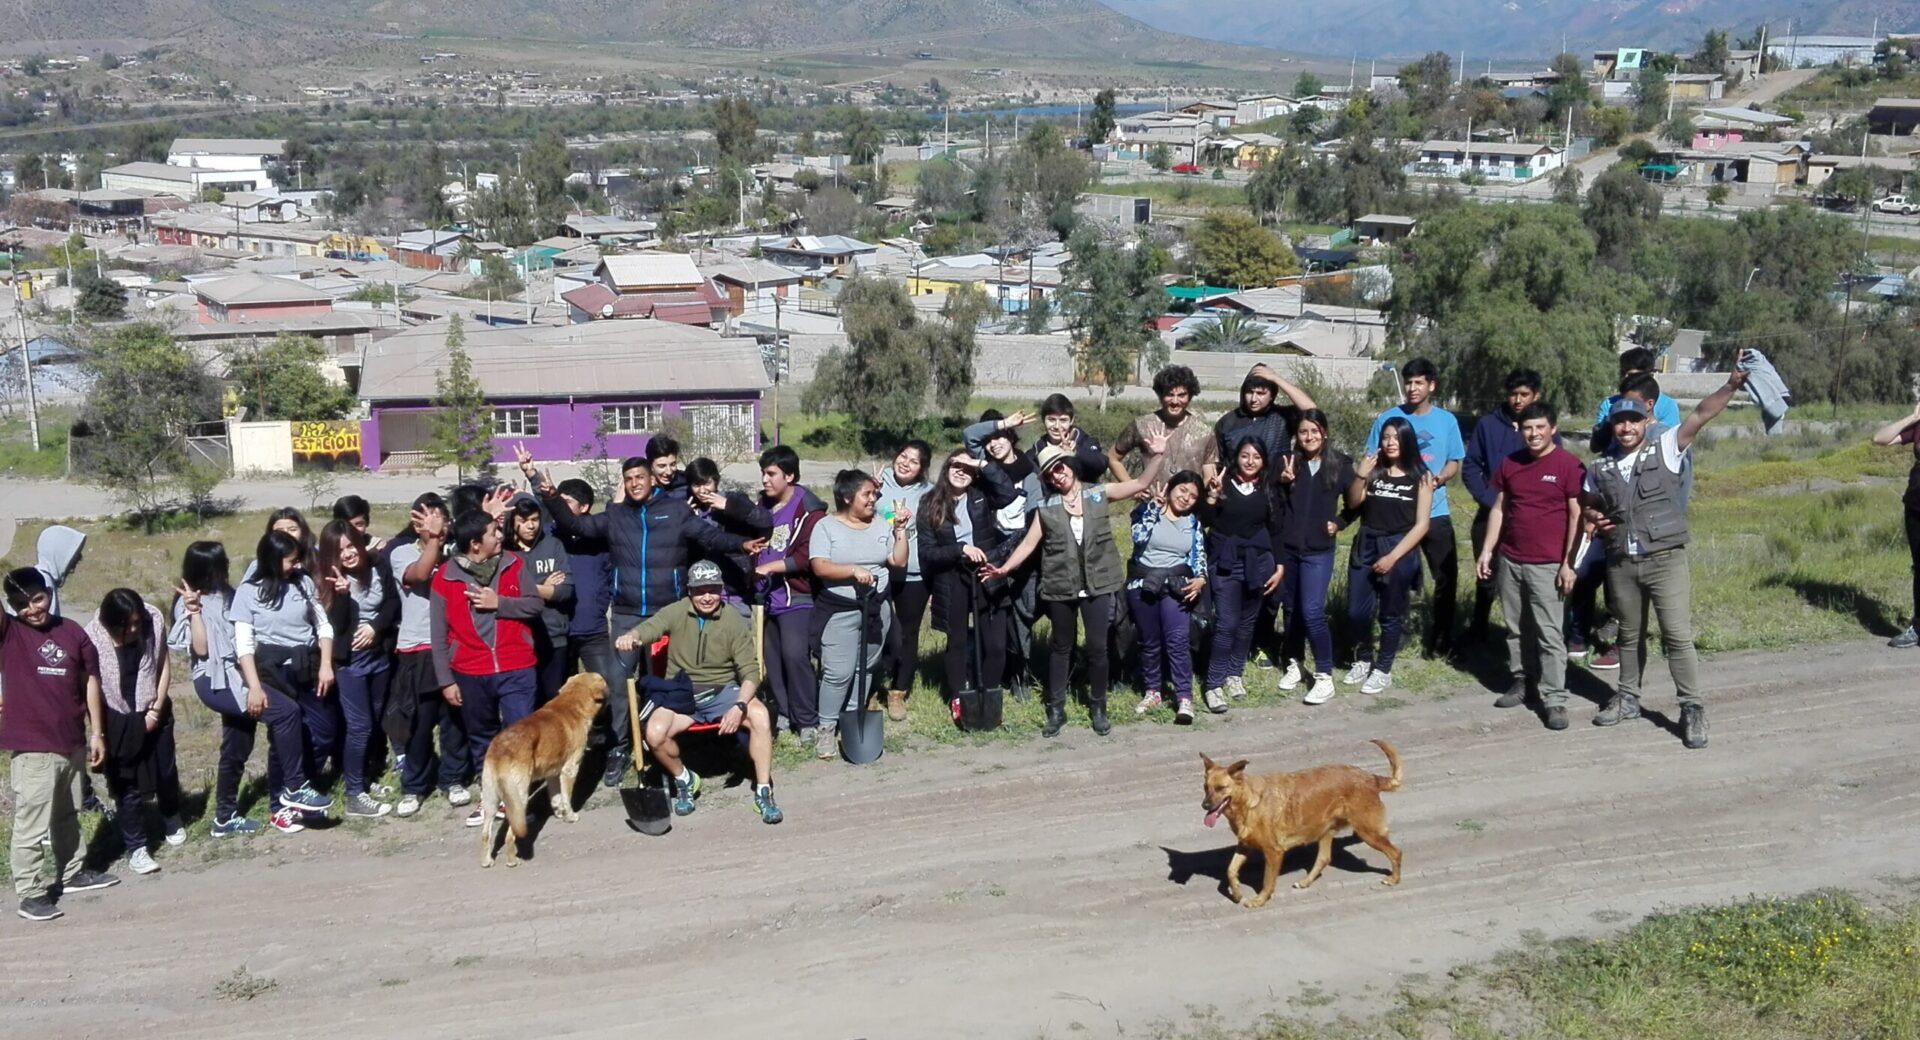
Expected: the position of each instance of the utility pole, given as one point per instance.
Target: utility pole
(26, 362)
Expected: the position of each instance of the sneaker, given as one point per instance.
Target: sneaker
(1515, 696)
(1377, 682)
(617, 762)
(808, 736)
(1605, 659)
(1236, 688)
(1905, 640)
(1576, 648)
(1622, 707)
(379, 791)
(1322, 690)
(288, 821)
(896, 706)
(457, 796)
(1358, 673)
(140, 861)
(39, 908)
(1183, 711)
(1216, 699)
(235, 827)
(1151, 701)
(176, 831)
(763, 802)
(305, 799)
(826, 744)
(88, 881)
(409, 804)
(1290, 679)
(479, 816)
(684, 792)
(364, 807)
(1693, 725)
(1556, 718)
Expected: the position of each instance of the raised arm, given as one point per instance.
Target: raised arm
(1156, 448)
(1300, 398)
(1890, 433)
(1712, 405)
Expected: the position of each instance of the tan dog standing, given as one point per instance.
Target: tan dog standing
(544, 746)
(1279, 811)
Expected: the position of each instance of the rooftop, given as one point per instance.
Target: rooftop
(603, 359)
(631, 271)
(249, 288)
(154, 170)
(256, 146)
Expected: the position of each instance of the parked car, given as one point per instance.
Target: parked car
(1187, 167)
(1897, 204)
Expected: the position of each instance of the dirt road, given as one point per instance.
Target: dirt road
(1008, 891)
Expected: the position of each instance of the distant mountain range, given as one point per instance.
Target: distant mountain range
(1504, 28)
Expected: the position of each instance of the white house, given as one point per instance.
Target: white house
(1495, 161)
(225, 153)
(182, 181)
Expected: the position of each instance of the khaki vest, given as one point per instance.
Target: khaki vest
(1067, 567)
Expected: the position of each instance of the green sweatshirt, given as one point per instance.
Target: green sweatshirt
(712, 651)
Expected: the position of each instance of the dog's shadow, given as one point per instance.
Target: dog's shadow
(1183, 867)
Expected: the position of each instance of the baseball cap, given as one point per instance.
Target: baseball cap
(1625, 407)
(1049, 456)
(704, 574)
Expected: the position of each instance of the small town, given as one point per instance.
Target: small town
(973, 382)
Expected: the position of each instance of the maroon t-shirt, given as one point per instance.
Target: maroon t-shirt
(1534, 524)
(43, 677)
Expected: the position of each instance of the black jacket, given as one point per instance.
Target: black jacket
(651, 544)
(344, 615)
(1310, 501)
(746, 518)
(942, 558)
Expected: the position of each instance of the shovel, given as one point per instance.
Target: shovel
(977, 707)
(648, 809)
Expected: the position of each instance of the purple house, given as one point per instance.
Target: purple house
(552, 387)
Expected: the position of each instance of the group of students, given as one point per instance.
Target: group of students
(357, 652)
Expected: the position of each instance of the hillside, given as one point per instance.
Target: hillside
(1504, 28)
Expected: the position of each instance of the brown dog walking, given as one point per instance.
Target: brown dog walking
(544, 746)
(1279, 811)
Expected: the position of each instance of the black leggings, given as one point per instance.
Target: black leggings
(1913, 549)
(903, 639)
(989, 626)
(1097, 614)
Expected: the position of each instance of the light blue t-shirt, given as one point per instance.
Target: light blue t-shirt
(1440, 443)
(1665, 411)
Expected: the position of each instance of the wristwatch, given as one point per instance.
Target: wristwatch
(742, 705)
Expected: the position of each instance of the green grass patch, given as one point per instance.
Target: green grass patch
(1196, 191)
(17, 457)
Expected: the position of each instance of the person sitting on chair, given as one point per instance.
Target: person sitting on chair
(713, 647)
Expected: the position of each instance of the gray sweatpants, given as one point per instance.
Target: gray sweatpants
(1657, 583)
(1534, 607)
(840, 662)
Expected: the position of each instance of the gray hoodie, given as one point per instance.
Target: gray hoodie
(547, 557)
(59, 549)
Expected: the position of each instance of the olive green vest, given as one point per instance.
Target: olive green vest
(1091, 565)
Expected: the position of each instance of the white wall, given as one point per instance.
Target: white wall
(261, 447)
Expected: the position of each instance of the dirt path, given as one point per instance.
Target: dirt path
(1008, 891)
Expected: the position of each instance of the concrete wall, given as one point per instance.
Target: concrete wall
(261, 447)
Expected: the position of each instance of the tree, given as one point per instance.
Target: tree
(499, 280)
(833, 211)
(1569, 92)
(1267, 189)
(1620, 210)
(942, 188)
(461, 432)
(506, 213)
(1611, 124)
(547, 169)
(1649, 99)
(951, 346)
(1713, 52)
(736, 128)
(1038, 316)
(1679, 130)
(1232, 248)
(100, 299)
(282, 379)
(1231, 332)
(880, 379)
(1307, 85)
(1113, 292)
(1428, 82)
(1304, 124)
(145, 394)
(1100, 125)
(1160, 157)
(864, 139)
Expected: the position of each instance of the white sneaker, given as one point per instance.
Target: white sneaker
(1216, 700)
(409, 804)
(1378, 682)
(1291, 680)
(458, 796)
(1322, 690)
(141, 862)
(1151, 701)
(176, 831)
(1358, 673)
(1236, 687)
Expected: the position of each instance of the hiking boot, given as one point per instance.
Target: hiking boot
(1556, 718)
(1905, 640)
(1056, 719)
(176, 833)
(140, 861)
(1377, 682)
(1290, 679)
(409, 804)
(684, 792)
(1097, 716)
(289, 820)
(1622, 707)
(457, 796)
(364, 807)
(617, 762)
(826, 744)
(763, 802)
(1693, 725)
(1183, 711)
(88, 881)
(1151, 701)
(896, 706)
(305, 799)
(39, 908)
(1322, 690)
(1515, 696)
(1605, 660)
(1358, 673)
(1216, 700)
(1236, 688)
(235, 826)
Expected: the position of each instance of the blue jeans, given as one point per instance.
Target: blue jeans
(1390, 592)
(362, 683)
(286, 766)
(1166, 659)
(491, 703)
(1303, 595)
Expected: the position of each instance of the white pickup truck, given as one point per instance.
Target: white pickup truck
(1897, 204)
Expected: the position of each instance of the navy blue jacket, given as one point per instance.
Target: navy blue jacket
(650, 545)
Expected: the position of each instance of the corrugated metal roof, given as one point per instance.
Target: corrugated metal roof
(603, 359)
(255, 146)
(631, 271)
(258, 288)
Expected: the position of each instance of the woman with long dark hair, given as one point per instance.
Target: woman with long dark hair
(1384, 568)
(134, 674)
(1239, 512)
(1166, 576)
(853, 554)
(1317, 480)
(203, 630)
(283, 639)
(958, 537)
(902, 485)
(362, 602)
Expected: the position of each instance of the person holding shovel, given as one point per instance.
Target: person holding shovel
(958, 537)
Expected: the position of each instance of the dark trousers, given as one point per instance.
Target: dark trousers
(491, 703)
(319, 716)
(990, 627)
(1303, 592)
(552, 668)
(1023, 610)
(1913, 549)
(1390, 593)
(903, 639)
(1484, 591)
(626, 666)
(1443, 560)
(1096, 612)
(156, 776)
(1166, 625)
(789, 652)
(286, 758)
(450, 768)
(1239, 605)
(362, 683)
